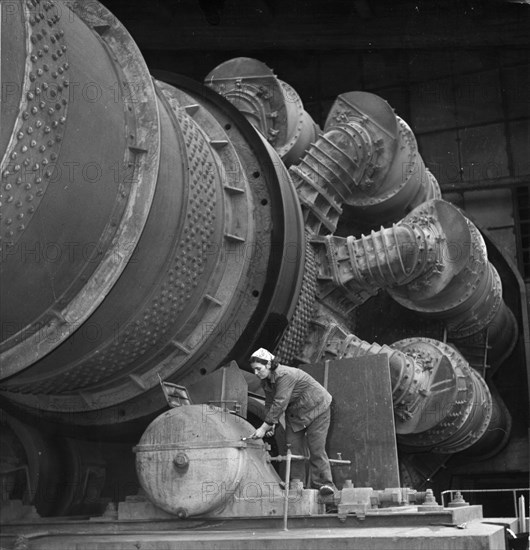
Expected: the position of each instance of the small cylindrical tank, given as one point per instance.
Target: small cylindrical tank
(191, 460)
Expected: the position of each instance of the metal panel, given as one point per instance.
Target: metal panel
(384, 68)
(490, 209)
(430, 64)
(483, 153)
(520, 145)
(339, 73)
(516, 85)
(362, 424)
(225, 388)
(478, 89)
(433, 105)
(470, 60)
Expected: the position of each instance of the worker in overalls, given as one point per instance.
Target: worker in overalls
(306, 405)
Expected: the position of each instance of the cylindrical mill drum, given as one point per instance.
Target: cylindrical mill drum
(162, 243)
(191, 460)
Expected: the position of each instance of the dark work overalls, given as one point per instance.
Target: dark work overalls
(307, 416)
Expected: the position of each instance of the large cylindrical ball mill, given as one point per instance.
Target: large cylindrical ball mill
(154, 247)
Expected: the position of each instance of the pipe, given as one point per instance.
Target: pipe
(434, 261)
(368, 159)
(440, 403)
(289, 457)
(272, 106)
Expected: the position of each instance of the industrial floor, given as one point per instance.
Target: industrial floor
(477, 534)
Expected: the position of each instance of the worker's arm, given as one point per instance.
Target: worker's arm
(264, 429)
(280, 401)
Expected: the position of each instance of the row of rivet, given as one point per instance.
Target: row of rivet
(36, 130)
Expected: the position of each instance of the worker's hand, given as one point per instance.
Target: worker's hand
(259, 433)
(270, 433)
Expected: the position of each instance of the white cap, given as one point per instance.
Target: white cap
(262, 353)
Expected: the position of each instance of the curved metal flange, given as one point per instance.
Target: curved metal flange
(275, 192)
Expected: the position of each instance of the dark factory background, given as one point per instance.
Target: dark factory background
(457, 72)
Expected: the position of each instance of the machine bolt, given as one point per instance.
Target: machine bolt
(429, 497)
(458, 501)
(182, 513)
(181, 461)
